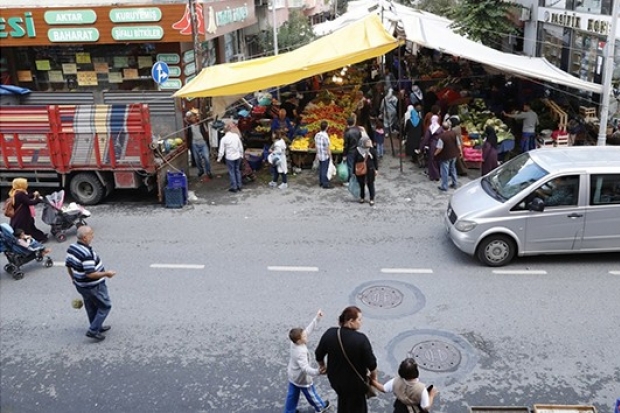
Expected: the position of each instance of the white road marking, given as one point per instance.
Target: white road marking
(614, 272)
(406, 270)
(532, 272)
(292, 269)
(59, 263)
(179, 266)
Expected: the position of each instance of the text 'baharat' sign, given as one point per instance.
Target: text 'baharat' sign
(73, 35)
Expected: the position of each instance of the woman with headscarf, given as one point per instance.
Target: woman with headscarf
(22, 203)
(489, 151)
(430, 140)
(368, 155)
(413, 130)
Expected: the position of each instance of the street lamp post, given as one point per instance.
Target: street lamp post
(610, 48)
(275, 27)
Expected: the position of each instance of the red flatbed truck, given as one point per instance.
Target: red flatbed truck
(88, 149)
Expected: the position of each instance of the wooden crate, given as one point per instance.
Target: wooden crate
(560, 408)
(498, 409)
(589, 113)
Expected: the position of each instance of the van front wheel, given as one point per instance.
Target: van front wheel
(496, 250)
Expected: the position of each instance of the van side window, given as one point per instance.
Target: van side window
(605, 189)
(560, 191)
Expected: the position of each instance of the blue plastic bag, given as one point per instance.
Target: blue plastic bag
(343, 171)
(354, 186)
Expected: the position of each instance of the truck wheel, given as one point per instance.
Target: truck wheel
(496, 250)
(87, 189)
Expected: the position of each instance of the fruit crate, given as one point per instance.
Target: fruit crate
(561, 408)
(498, 409)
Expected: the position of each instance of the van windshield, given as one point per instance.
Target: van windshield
(512, 177)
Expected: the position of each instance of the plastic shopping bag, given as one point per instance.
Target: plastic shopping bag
(354, 186)
(331, 170)
(343, 171)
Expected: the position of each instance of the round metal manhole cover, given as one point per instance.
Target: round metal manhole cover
(436, 355)
(381, 296)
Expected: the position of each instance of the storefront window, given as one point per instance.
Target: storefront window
(105, 67)
(587, 56)
(555, 40)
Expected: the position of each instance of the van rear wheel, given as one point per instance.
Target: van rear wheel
(86, 188)
(496, 250)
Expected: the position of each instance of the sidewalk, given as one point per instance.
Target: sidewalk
(392, 185)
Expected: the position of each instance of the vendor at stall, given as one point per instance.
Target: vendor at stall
(282, 125)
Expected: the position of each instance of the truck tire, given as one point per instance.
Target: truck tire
(496, 250)
(86, 188)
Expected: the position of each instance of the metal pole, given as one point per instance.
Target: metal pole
(196, 45)
(400, 110)
(610, 48)
(275, 27)
(275, 36)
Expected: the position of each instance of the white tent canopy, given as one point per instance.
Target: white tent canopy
(434, 32)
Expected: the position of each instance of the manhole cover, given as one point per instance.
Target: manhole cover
(436, 355)
(381, 297)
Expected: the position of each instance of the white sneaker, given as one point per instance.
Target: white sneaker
(273, 184)
(283, 186)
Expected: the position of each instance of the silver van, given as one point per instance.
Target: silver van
(547, 201)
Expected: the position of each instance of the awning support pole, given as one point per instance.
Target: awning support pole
(610, 48)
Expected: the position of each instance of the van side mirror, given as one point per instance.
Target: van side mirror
(537, 205)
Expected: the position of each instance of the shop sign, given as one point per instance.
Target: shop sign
(73, 35)
(136, 15)
(137, 33)
(17, 26)
(188, 56)
(593, 23)
(171, 84)
(86, 16)
(189, 79)
(229, 16)
(175, 71)
(170, 58)
(189, 69)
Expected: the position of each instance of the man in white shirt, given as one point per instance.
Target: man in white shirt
(231, 149)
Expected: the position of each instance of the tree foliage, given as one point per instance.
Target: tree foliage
(487, 21)
(438, 7)
(292, 34)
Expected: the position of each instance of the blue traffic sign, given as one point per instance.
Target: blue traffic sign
(160, 72)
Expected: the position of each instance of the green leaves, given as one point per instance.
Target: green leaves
(294, 33)
(487, 21)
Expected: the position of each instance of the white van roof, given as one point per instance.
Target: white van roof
(577, 158)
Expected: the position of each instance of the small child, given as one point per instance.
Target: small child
(26, 241)
(299, 371)
(379, 138)
(411, 394)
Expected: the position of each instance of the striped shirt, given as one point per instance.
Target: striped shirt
(83, 260)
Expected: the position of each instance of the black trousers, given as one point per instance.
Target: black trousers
(367, 180)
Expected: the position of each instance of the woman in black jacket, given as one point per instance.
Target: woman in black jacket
(368, 155)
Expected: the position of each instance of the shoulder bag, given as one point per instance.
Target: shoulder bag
(370, 391)
(360, 167)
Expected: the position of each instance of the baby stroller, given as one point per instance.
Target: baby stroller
(18, 255)
(60, 217)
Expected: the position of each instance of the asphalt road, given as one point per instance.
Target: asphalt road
(205, 296)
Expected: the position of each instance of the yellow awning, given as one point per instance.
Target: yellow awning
(354, 43)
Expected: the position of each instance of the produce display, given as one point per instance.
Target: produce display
(475, 117)
(336, 143)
